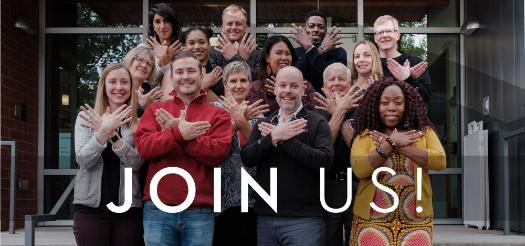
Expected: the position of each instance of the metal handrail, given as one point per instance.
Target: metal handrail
(12, 185)
(506, 177)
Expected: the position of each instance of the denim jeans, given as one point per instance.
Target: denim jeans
(192, 227)
(300, 231)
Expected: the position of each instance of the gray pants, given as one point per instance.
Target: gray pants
(301, 231)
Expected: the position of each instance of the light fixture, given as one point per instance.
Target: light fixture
(65, 100)
(23, 25)
(470, 27)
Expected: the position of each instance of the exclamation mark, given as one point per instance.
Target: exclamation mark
(419, 209)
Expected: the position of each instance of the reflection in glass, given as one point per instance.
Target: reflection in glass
(72, 69)
(446, 196)
(89, 13)
(429, 13)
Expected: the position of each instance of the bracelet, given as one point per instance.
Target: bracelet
(381, 152)
(392, 143)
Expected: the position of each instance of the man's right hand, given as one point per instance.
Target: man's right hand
(300, 35)
(287, 130)
(227, 48)
(191, 130)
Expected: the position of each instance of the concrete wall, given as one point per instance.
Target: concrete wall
(495, 67)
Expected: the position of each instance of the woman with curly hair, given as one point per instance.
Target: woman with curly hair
(393, 130)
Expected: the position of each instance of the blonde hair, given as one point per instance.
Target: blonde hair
(337, 65)
(101, 101)
(139, 51)
(377, 69)
(386, 18)
(235, 8)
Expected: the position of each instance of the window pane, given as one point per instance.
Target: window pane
(446, 196)
(92, 13)
(73, 64)
(54, 187)
(429, 13)
(342, 13)
(202, 13)
(442, 54)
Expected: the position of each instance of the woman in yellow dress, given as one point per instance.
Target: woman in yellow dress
(393, 130)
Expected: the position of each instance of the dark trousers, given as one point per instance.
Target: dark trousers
(290, 231)
(235, 228)
(108, 228)
(338, 225)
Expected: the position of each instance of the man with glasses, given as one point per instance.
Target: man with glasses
(400, 66)
(317, 47)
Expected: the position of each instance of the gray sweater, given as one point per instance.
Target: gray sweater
(88, 154)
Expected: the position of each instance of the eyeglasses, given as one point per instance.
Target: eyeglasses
(387, 32)
(143, 61)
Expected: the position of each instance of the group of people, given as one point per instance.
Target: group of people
(176, 101)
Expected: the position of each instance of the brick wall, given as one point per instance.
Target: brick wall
(19, 84)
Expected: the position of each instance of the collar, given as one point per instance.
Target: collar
(299, 113)
(200, 97)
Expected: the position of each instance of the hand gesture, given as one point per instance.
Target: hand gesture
(165, 119)
(332, 38)
(402, 139)
(211, 78)
(256, 109)
(146, 99)
(400, 72)
(300, 35)
(327, 103)
(236, 110)
(377, 137)
(265, 128)
(287, 130)
(227, 48)
(371, 79)
(112, 121)
(91, 117)
(164, 52)
(418, 69)
(247, 46)
(269, 86)
(191, 130)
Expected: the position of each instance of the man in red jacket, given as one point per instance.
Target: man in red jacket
(190, 134)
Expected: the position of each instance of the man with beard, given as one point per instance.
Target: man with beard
(317, 47)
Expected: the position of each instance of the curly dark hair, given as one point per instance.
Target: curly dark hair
(415, 116)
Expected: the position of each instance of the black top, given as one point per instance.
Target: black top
(422, 84)
(110, 182)
(312, 64)
(298, 161)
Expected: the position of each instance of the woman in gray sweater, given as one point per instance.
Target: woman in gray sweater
(104, 148)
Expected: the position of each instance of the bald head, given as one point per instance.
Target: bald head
(289, 89)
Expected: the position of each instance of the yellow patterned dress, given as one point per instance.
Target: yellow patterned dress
(403, 226)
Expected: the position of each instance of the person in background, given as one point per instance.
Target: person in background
(393, 130)
(366, 64)
(189, 133)
(398, 65)
(232, 226)
(339, 111)
(318, 47)
(277, 53)
(104, 146)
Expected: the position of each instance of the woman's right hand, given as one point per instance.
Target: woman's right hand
(402, 139)
(269, 86)
(146, 99)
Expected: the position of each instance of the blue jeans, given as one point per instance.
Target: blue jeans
(192, 227)
(300, 231)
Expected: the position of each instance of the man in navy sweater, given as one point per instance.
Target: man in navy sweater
(317, 47)
(400, 66)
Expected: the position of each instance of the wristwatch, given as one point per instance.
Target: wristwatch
(115, 138)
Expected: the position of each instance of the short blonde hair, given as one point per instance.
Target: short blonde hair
(101, 101)
(377, 69)
(235, 8)
(386, 18)
(139, 51)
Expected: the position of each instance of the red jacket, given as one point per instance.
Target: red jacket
(198, 156)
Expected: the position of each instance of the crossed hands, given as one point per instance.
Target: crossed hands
(402, 72)
(244, 48)
(283, 130)
(331, 39)
(106, 125)
(400, 139)
(332, 103)
(164, 52)
(188, 130)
